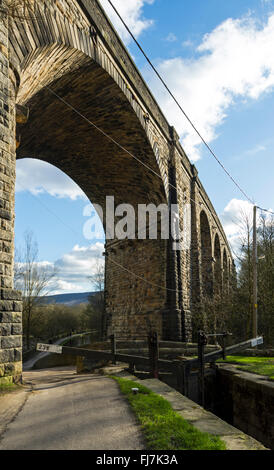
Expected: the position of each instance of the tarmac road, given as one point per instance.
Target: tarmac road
(66, 411)
(27, 365)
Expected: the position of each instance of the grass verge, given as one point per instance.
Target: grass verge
(9, 387)
(256, 365)
(163, 428)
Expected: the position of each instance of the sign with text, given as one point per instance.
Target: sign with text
(53, 348)
(257, 341)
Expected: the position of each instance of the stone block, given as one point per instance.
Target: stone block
(6, 281)
(10, 369)
(17, 306)
(6, 355)
(11, 294)
(6, 306)
(11, 342)
(10, 317)
(18, 355)
(5, 329)
(16, 329)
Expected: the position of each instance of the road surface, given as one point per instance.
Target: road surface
(27, 365)
(66, 411)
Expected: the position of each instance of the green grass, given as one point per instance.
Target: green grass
(163, 428)
(8, 387)
(256, 365)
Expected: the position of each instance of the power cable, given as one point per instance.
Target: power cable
(265, 210)
(109, 259)
(178, 104)
(129, 153)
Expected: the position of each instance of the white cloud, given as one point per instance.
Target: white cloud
(62, 287)
(237, 220)
(234, 218)
(234, 61)
(74, 268)
(171, 37)
(187, 43)
(257, 149)
(132, 12)
(38, 177)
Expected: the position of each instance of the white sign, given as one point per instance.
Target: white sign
(256, 341)
(53, 348)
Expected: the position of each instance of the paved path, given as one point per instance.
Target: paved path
(65, 411)
(27, 365)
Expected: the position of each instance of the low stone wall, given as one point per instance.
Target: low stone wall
(54, 360)
(247, 402)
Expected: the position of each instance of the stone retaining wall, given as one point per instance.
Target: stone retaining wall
(247, 401)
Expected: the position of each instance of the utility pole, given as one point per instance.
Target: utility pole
(255, 276)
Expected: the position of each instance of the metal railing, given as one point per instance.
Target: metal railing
(180, 368)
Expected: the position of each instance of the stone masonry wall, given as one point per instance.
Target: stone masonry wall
(10, 300)
(74, 50)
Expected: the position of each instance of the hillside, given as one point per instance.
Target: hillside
(68, 299)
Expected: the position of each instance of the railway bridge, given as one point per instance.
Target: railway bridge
(71, 95)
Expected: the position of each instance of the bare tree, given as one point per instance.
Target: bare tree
(95, 310)
(241, 316)
(245, 278)
(98, 281)
(33, 279)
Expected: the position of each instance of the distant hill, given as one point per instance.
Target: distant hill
(68, 299)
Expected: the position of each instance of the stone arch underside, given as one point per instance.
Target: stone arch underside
(71, 47)
(57, 134)
(58, 54)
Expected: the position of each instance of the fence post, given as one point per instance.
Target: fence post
(202, 341)
(153, 349)
(225, 335)
(113, 348)
(177, 368)
(186, 374)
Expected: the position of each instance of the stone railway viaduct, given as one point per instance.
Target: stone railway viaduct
(69, 47)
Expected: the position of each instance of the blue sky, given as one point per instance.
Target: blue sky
(217, 57)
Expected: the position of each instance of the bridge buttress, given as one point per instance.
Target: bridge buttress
(177, 316)
(10, 300)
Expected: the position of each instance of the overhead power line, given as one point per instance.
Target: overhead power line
(265, 210)
(179, 105)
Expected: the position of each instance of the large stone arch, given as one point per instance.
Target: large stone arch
(79, 105)
(66, 81)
